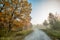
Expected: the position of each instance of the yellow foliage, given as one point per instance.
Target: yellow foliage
(2, 18)
(10, 14)
(11, 9)
(0, 13)
(15, 1)
(7, 4)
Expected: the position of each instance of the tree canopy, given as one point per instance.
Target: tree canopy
(14, 13)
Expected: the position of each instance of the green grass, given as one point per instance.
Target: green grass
(53, 33)
(23, 33)
(16, 35)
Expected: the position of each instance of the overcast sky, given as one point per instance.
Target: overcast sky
(41, 9)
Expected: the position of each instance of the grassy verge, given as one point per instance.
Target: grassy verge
(16, 35)
(54, 34)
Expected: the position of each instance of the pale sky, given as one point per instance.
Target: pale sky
(41, 9)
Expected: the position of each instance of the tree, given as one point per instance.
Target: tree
(54, 22)
(45, 23)
(14, 13)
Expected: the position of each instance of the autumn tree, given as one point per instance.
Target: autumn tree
(14, 13)
(25, 14)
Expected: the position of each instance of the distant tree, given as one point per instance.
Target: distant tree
(54, 22)
(45, 23)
